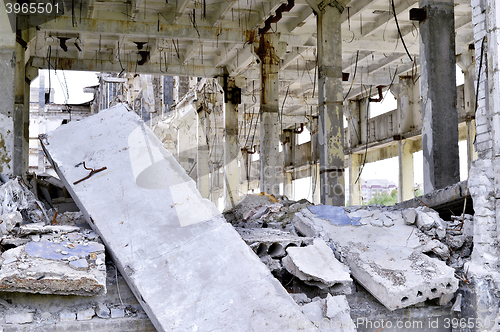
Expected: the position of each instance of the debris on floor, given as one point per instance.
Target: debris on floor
(188, 267)
(401, 256)
(41, 256)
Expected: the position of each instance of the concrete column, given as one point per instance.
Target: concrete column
(405, 158)
(269, 51)
(288, 151)
(355, 161)
(331, 128)
(203, 156)
(439, 95)
(7, 93)
(232, 190)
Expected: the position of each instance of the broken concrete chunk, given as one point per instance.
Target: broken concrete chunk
(400, 277)
(66, 315)
(85, 314)
(410, 216)
(14, 196)
(176, 252)
(338, 311)
(316, 265)
(304, 223)
(9, 221)
(317, 313)
(102, 311)
(117, 313)
(19, 318)
(457, 306)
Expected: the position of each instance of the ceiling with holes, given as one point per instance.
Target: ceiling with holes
(201, 37)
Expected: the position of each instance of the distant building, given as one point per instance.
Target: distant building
(370, 188)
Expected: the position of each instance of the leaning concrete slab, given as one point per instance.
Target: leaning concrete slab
(189, 269)
(399, 276)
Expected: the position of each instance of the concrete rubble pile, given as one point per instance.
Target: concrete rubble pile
(403, 257)
(46, 255)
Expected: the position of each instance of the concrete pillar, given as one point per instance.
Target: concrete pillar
(203, 156)
(7, 74)
(406, 182)
(269, 51)
(288, 151)
(331, 128)
(439, 95)
(232, 190)
(405, 116)
(355, 161)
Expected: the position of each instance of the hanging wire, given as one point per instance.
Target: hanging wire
(399, 30)
(353, 76)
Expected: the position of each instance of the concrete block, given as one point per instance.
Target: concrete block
(409, 216)
(117, 312)
(316, 265)
(102, 311)
(339, 313)
(173, 248)
(19, 318)
(65, 316)
(400, 277)
(85, 314)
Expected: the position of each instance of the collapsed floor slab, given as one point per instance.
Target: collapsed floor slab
(188, 268)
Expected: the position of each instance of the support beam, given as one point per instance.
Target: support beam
(105, 27)
(269, 51)
(331, 128)
(206, 70)
(232, 190)
(439, 96)
(203, 156)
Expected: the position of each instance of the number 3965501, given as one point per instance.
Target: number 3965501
(32, 8)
